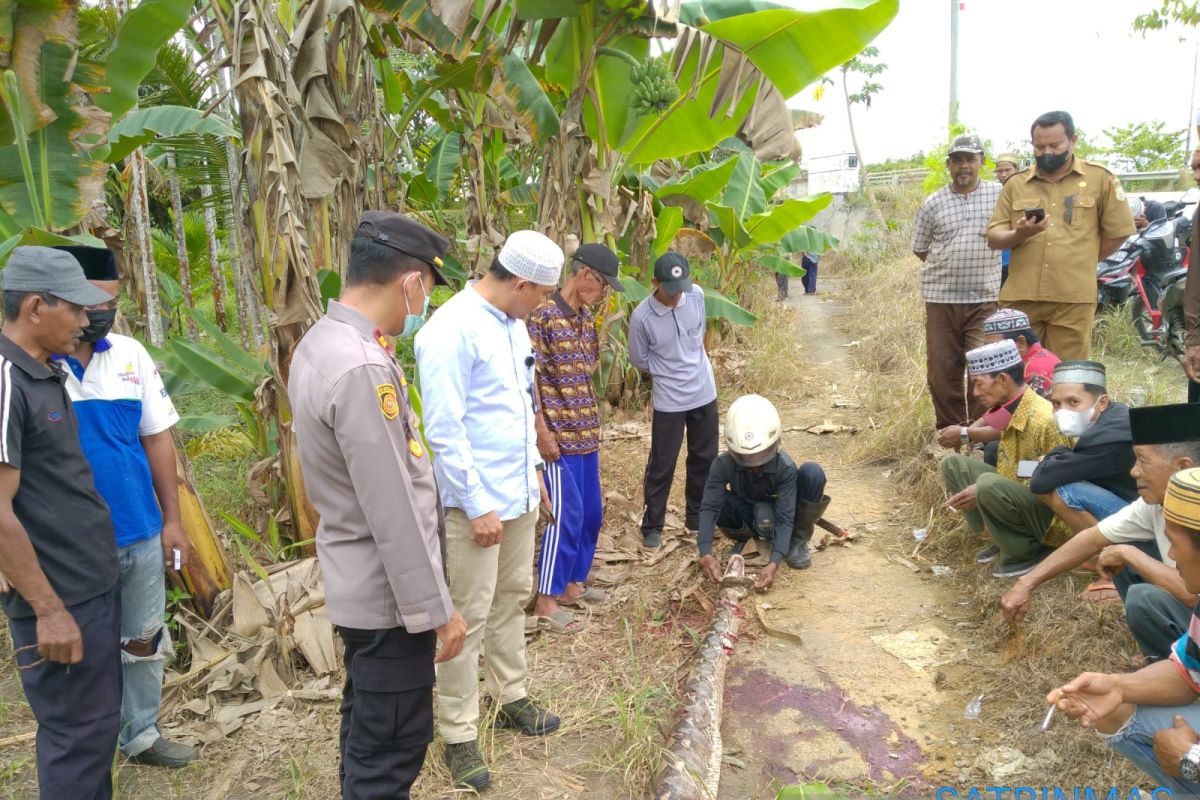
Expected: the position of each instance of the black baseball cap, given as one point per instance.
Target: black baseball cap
(602, 260)
(408, 236)
(672, 272)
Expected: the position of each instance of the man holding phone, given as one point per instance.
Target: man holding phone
(1059, 219)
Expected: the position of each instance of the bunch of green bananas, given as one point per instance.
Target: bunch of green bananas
(654, 87)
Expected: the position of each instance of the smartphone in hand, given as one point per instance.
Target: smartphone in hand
(1025, 468)
(1035, 214)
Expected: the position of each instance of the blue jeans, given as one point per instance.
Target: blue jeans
(143, 604)
(1090, 498)
(1135, 741)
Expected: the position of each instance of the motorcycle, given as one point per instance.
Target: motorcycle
(1172, 334)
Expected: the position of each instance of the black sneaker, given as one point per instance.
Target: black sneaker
(527, 717)
(467, 768)
(163, 753)
(1016, 569)
(651, 540)
(987, 555)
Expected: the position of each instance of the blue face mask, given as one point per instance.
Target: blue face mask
(413, 322)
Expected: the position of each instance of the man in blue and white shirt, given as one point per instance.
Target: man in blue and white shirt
(666, 340)
(475, 364)
(125, 421)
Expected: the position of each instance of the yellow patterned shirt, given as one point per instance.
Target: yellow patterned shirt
(1030, 435)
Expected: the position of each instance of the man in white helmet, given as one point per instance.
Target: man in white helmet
(755, 490)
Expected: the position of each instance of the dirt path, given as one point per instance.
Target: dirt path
(860, 704)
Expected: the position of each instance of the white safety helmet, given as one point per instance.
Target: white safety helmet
(752, 430)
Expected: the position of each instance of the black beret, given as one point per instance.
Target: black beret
(409, 237)
(99, 263)
(1165, 424)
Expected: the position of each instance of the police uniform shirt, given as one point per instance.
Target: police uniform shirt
(1059, 264)
(381, 539)
(64, 516)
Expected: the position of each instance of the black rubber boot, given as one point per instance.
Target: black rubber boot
(807, 514)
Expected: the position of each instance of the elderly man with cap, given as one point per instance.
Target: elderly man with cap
(960, 277)
(1007, 165)
(1009, 323)
(666, 340)
(57, 546)
(1132, 544)
(381, 537)
(997, 500)
(125, 421)
(1151, 716)
(477, 380)
(1059, 219)
(565, 343)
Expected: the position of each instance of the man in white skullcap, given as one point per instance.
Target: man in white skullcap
(997, 500)
(476, 368)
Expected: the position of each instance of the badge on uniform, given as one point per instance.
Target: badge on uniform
(389, 404)
(415, 448)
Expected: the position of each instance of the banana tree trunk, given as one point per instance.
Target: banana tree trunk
(139, 224)
(208, 572)
(181, 252)
(214, 260)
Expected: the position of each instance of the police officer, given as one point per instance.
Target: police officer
(754, 489)
(1059, 218)
(381, 537)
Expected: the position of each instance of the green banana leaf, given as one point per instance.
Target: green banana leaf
(214, 370)
(791, 48)
(635, 292)
(781, 265)
(701, 183)
(141, 31)
(612, 87)
(442, 167)
(206, 423)
(771, 226)
(177, 378)
(668, 223)
(744, 192)
(806, 240)
(777, 175)
(255, 370)
(518, 91)
(330, 285)
(144, 125)
(549, 9)
(730, 225)
(718, 306)
(393, 92)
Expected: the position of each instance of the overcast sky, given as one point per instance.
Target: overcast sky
(1017, 59)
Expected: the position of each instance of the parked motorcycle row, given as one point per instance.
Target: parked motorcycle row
(1148, 272)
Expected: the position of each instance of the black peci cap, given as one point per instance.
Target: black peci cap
(408, 236)
(1165, 424)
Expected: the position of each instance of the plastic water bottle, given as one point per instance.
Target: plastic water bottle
(974, 708)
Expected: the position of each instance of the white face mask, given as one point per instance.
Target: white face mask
(1075, 423)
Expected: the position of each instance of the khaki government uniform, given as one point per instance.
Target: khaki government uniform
(1018, 522)
(1052, 277)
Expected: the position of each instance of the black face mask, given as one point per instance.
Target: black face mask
(1051, 162)
(100, 322)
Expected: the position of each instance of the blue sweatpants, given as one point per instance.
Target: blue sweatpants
(569, 543)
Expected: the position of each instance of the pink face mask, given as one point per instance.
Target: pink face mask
(997, 418)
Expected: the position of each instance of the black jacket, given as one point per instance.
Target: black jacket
(1103, 456)
(774, 483)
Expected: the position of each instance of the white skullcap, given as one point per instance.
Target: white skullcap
(532, 256)
(993, 358)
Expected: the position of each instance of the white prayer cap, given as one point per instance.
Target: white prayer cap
(532, 256)
(992, 358)
(1091, 372)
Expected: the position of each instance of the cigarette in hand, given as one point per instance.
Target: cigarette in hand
(1049, 714)
(178, 558)
(951, 509)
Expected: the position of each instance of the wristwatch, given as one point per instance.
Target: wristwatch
(1189, 765)
(966, 436)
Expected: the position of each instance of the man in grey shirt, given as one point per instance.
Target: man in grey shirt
(666, 340)
(381, 535)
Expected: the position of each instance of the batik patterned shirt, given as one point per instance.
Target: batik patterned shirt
(567, 349)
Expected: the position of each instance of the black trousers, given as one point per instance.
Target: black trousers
(1193, 392)
(387, 711)
(77, 707)
(741, 518)
(666, 437)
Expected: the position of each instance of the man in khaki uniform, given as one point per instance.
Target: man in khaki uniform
(1085, 217)
(381, 537)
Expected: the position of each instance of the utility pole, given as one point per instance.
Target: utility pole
(1192, 126)
(955, 5)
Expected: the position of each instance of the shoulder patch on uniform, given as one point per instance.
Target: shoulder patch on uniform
(389, 404)
(1118, 189)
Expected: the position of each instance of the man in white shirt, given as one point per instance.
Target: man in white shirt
(1132, 543)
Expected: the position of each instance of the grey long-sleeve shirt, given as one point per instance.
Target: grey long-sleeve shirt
(669, 344)
(381, 539)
